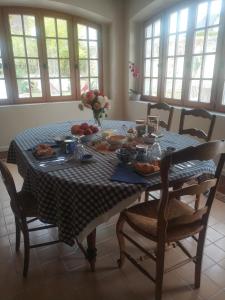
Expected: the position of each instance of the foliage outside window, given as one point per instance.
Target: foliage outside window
(48, 56)
(191, 61)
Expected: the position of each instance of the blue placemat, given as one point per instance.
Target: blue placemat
(126, 174)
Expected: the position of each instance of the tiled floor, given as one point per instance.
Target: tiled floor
(60, 272)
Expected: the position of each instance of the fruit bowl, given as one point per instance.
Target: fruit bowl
(86, 132)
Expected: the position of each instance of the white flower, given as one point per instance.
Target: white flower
(101, 100)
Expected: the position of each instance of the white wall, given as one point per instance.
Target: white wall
(109, 13)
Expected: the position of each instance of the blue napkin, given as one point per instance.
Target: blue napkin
(124, 173)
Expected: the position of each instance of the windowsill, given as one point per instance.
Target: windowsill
(39, 103)
(180, 107)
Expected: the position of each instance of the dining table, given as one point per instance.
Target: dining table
(76, 196)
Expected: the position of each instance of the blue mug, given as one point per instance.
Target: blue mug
(69, 146)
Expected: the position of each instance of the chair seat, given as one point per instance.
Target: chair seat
(183, 220)
(28, 204)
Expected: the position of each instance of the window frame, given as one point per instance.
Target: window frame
(9, 65)
(219, 73)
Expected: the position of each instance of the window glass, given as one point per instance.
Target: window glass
(25, 55)
(88, 51)
(152, 58)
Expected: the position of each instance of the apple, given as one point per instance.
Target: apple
(84, 126)
(75, 129)
(88, 131)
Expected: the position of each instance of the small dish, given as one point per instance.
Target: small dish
(86, 158)
(116, 140)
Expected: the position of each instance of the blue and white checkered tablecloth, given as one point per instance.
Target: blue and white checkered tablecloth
(73, 197)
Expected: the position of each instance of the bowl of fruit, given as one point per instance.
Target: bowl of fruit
(86, 132)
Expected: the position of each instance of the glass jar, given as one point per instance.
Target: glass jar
(156, 151)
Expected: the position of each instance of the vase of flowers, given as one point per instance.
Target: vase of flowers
(97, 102)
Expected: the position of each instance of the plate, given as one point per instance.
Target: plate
(44, 157)
(146, 174)
(87, 158)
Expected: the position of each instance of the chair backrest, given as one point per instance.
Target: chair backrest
(201, 113)
(203, 152)
(162, 106)
(10, 187)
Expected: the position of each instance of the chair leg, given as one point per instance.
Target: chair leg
(199, 256)
(197, 202)
(17, 236)
(160, 256)
(121, 241)
(26, 253)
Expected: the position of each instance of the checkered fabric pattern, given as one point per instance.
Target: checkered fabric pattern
(73, 197)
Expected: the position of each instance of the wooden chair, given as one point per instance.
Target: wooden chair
(199, 133)
(169, 220)
(25, 210)
(162, 106)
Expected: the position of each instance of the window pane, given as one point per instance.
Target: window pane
(155, 67)
(64, 67)
(21, 68)
(212, 39)
(3, 94)
(172, 42)
(147, 67)
(156, 47)
(31, 45)
(194, 90)
(1, 69)
(179, 67)
(223, 100)
(196, 66)
(29, 25)
(177, 89)
(147, 86)
(94, 83)
(36, 90)
(84, 85)
(93, 49)
(66, 87)
(208, 66)
(51, 48)
(92, 34)
(63, 48)
(23, 88)
(62, 28)
(173, 23)
(50, 30)
(206, 91)
(170, 67)
(215, 9)
(181, 42)
(199, 41)
(34, 69)
(53, 68)
(202, 15)
(83, 68)
(83, 51)
(148, 47)
(18, 46)
(157, 28)
(154, 87)
(169, 88)
(54, 87)
(82, 31)
(148, 31)
(15, 22)
(93, 68)
(183, 19)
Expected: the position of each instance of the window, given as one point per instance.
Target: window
(151, 61)
(176, 54)
(88, 57)
(3, 93)
(46, 56)
(191, 55)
